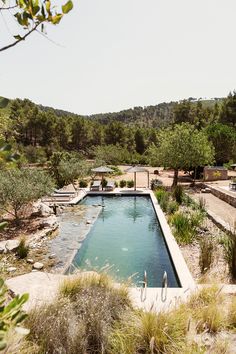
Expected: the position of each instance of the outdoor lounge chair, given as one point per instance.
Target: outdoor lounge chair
(110, 186)
(96, 186)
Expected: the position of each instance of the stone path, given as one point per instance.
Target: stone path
(219, 209)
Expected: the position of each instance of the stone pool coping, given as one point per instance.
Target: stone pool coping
(185, 278)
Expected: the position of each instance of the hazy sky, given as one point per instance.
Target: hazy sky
(116, 54)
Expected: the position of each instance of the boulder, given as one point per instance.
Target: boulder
(12, 245)
(38, 265)
(30, 261)
(51, 222)
(41, 209)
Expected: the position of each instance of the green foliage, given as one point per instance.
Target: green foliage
(181, 147)
(35, 154)
(172, 207)
(117, 171)
(83, 184)
(178, 194)
(72, 169)
(23, 249)
(223, 138)
(229, 244)
(228, 111)
(104, 182)
(206, 256)
(32, 14)
(80, 319)
(18, 188)
(11, 316)
(185, 226)
(163, 198)
(123, 183)
(130, 184)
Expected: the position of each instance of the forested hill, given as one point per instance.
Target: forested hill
(156, 116)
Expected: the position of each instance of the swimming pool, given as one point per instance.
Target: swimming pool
(127, 237)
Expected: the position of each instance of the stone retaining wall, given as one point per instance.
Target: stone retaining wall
(223, 195)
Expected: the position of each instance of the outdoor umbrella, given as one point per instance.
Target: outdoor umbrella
(101, 171)
(135, 170)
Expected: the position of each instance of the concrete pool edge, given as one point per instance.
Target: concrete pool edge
(186, 280)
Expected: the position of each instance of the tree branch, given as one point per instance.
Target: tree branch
(8, 8)
(19, 40)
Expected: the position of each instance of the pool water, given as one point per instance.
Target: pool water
(126, 237)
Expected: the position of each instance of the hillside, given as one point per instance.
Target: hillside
(156, 116)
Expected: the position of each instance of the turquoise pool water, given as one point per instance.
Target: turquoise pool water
(127, 237)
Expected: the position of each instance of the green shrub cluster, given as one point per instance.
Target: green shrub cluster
(123, 183)
(185, 226)
(83, 184)
(130, 184)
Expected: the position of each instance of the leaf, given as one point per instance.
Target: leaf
(56, 19)
(67, 7)
(18, 37)
(3, 345)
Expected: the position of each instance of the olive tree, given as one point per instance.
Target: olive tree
(181, 147)
(18, 188)
(72, 169)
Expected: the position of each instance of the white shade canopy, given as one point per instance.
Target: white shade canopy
(102, 169)
(135, 169)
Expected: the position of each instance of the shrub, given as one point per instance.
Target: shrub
(122, 183)
(172, 207)
(206, 254)
(130, 184)
(83, 184)
(178, 194)
(229, 244)
(116, 171)
(18, 188)
(80, 319)
(149, 332)
(156, 183)
(104, 182)
(23, 249)
(163, 198)
(183, 231)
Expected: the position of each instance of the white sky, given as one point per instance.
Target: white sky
(116, 54)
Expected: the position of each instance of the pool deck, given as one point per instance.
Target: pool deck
(155, 298)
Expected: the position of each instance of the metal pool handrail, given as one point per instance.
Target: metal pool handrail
(164, 286)
(144, 288)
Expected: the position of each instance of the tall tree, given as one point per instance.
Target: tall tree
(139, 141)
(182, 147)
(228, 112)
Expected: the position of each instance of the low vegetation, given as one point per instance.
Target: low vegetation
(92, 315)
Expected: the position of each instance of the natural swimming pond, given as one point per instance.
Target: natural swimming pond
(126, 236)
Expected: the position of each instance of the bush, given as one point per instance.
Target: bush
(116, 171)
(156, 183)
(130, 184)
(83, 184)
(178, 194)
(122, 183)
(172, 207)
(80, 319)
(229, 244)
(104, 182)
(186, 226)
(23, 249)
(206, 254)
(163, 198)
